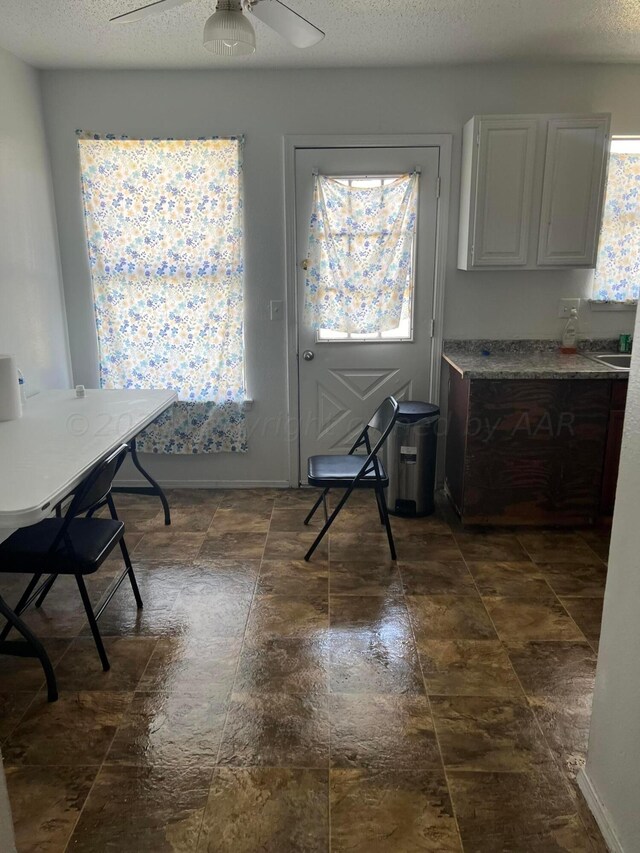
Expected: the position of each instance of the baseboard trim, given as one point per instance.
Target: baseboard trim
(208, 484)
(600, 812)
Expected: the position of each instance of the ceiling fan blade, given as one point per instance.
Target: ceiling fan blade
(287, 23)
(144, 11)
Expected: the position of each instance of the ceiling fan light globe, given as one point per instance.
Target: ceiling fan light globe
(229, 33)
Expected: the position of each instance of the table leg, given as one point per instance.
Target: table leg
(154, 489)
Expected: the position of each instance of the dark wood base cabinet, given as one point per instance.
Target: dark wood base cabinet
(527, 451)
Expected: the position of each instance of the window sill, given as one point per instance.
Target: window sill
(596, 305)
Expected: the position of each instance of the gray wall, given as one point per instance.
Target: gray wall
(32, 321)
(265, 105)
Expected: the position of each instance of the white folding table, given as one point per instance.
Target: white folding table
(45, 454)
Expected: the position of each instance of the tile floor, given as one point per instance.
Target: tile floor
(259, 703)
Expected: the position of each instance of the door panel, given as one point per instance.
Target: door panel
(344, 381)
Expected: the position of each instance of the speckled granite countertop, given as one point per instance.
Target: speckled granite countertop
(527, 360)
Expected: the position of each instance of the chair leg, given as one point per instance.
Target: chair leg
(130, 573)
(380, 512)
(92, 622)
(328, 523)
(46, 590)
(320, 500)
(382, 505)
(20, 605)
(38, 649)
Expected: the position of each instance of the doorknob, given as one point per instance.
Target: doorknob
(308, 355)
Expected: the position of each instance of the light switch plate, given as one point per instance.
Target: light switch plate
(565, 306)
(275, 308)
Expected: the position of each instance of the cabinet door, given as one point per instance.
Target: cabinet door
(573, 190)
(505, 168)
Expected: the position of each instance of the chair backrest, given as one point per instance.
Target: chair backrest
(385, 416)
(97, 484)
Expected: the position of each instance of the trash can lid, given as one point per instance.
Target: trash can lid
(413, 410)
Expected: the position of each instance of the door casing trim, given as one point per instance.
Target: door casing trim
(443, 141)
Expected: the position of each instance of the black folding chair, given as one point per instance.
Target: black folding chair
(72, 545)
(350, 472)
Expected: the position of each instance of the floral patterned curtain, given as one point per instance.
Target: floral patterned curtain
(360, 255)
(617, 274)
(165, 237)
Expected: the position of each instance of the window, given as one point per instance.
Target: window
(361, 267)
(617, 273)
(165, 238)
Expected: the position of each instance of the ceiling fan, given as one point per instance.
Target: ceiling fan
(228, 32)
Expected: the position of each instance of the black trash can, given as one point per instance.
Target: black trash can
(409, 457)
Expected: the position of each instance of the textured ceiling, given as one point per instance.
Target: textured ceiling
(77, 34)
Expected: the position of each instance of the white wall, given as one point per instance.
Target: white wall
(612, 775)
(7, 843)
(265, 105)
(32, 320)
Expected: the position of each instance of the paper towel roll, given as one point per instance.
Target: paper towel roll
(10, 405)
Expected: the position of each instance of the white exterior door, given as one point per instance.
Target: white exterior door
(342, 379)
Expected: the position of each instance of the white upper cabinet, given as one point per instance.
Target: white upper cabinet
(572, 191)
(531, 191)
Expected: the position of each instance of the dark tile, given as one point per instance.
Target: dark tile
(417, 547)
(388, 811)
(557, 546)
(586, 613)
(467, 668)
(287, 616)
(206, 665)
(247, 499)
(488, 734)
(346, 547)
(433, 524)
(374, 614)
(139, 520)
(233, 546)
(46, 803)
(277, 730)
(76, 730)
(430, 577)
(169, 730)
(365, 577)
(377, 661)
(284, 665)
(294, 577)
(293, 546)
(565, 727)
(509, 578)
(143, 810)
(449, 617)
(555, 670)
(531, 619)
(169, 545)
(209, 577)
(288, 809)
(219, 615)
(390, 732)
(582, 579)
(193, 519)
(530, 812)
(194, 498)
(80, 667)
(294, 498)
(290, 519)
(235, 520)
(490, 546)
(12, 709)
(24, 675)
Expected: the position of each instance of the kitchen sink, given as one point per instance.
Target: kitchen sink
(614, 360)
